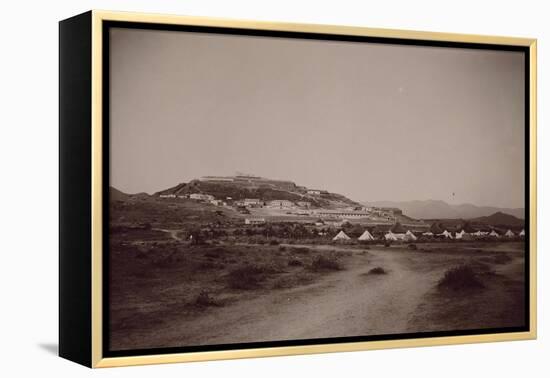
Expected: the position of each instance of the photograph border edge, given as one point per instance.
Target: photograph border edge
(98, 17)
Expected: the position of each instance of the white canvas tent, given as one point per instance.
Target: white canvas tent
(446, 234)
(390, 236)
(341, 236)
(495, 234)
(366, 236)
(522, 233)
(460, 235)
(509, 234)
(479, 233)
(410, 235)
(429, 233)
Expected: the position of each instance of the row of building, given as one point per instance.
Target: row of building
(207, 198)
(388, 214)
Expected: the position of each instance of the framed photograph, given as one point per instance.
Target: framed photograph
(235, 189)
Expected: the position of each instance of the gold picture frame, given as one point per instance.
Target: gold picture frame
(90, 329)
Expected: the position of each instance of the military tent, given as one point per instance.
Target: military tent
(341, 236)
(366, 236)
(410, 235)
(446, 234)
(390, 236)
(509, 234)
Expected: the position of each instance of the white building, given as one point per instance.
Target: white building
(167, 196)
(254, 221)
(201, 197)
(347, 214)
(281, 204)
(252, 202)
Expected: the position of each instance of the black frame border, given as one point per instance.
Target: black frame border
(106, 25)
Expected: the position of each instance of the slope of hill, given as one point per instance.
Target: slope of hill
(239, 190)
(500, 219)
(117, 195)
(432, 209)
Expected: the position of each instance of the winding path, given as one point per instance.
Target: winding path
(346, 303)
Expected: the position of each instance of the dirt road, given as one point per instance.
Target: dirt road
(347, 303)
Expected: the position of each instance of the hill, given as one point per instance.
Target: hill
(433, 209)
(500, 219)
(117, 195)
(239, 188)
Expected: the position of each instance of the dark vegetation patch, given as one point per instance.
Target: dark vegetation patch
(460, 278)
(208, 265)
(325, 263)
(377, 270)
(295, 262)
(249, 277)
(215, 253)
(343, 253)
(205, 299)
(300, 250)
(290, 281)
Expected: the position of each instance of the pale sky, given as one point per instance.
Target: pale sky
(373, 122)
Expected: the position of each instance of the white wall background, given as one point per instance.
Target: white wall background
(28, 189)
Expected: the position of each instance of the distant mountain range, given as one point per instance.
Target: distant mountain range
(434, 209)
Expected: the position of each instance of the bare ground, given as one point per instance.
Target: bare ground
(297, 304)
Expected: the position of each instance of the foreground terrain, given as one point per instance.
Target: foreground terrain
(167, 292)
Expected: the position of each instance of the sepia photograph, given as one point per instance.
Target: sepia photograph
(287, 189)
